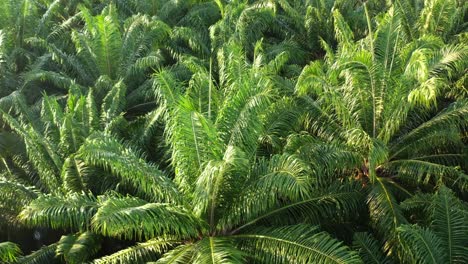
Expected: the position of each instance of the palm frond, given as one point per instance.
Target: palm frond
(133, 218)
(140, 253)
(450, 224)
(104, 151)
(238, 122)
(9, 252)
(338, 202)
(437, 16)
(425, 172)
(72, 175)
(451, 117)
(368, 248)
(44, 255)
(105, 39)
(179, 255)
(68, 212)
(385, 213)
(78, 248)
(295, 244)
(214, 250)
(420, 245)
(114, 103)
(14, 196)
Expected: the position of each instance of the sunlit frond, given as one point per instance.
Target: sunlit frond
(299, 244)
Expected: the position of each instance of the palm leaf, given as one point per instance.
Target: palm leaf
(214, 250)
(78, 248)
(337, 202)
(385, 212)
(44, 255)
(151, 183)
(60, 212)
(179, 255)
(368, 248)
(9, 252)
(295, 244)
(132, 218)
(420, 245)
(450, 224)
(140, 253)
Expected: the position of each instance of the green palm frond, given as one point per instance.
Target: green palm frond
(141, 33)
(387, 41)
(14, 196)
(218, 184)
(254, 22)
(343, 33)
(133, 218)
(336, 203)
(72, 175)
(417, 201)
(325, 159)
(295, 244)
(9, 252)
(104, 151)
(281, 177)
(238, 121)
(437, 16)
(187, 41)
(78, 248)
(180, 255)
(385, 213)
(420, 245)
(68, 212)
(417, 207)
(71, 64)
(114, 103)
(425, 172)
(41, 152)
(215, 250)
(450, 224)
(44, 255)
(140, 253)
(282, 119)
(451, 117)
(368, 248)
(105, 39)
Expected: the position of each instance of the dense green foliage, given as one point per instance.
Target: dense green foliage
(217, 131)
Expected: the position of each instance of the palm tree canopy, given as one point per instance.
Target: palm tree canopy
(216, 131)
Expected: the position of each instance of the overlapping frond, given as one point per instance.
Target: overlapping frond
(295, 244)
(215, 250)
(180, 255)
(78, 248)
(420, 245)
(60, 212)
(385, 213)
(368, 248)
(44, 255)
(9, 252)
(450, 224)
(151, 183)
(133, 218)
(140, 253)
(338, 202)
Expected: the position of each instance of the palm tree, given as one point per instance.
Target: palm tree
(224, 204)
(191, 132)
(382, 97)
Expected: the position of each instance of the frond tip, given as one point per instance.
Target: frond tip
(9, 252)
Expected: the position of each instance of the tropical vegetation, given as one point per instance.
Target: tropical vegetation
(233, 131)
